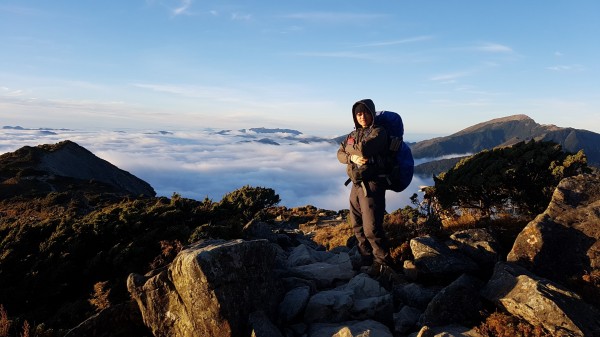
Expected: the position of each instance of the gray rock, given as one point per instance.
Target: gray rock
(359, 299)
(262, 326)
(210, 289)
(479, 245)
(435, 261)
(255, 230)
(458, 303)
(368, 328)
(415, 294)
(406, 319)
(325, 274)
(293, 303)
(564, 242)
(329, 306)
(540, 301)
(303, 255)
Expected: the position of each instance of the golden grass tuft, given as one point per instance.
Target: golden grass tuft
(4, 322)
(333, 236)
(466, 220)
(100, 297)
(503, 325)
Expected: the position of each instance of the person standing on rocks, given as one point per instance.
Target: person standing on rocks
(362, 151)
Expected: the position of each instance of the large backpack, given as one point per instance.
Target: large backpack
(401, 165)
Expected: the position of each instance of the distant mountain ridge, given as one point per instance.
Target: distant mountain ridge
(64, 166)
(274, 136)
(504, 131)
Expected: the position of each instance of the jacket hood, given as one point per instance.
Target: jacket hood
(370, 106)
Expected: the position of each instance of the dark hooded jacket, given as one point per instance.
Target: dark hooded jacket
(370, 142)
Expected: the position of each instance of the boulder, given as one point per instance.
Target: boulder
(406, 319)
(436, 263)
(367, 328)
(293, 303)
(459, 302)
(480, 245)
(359, 299)
(415, 294)
(563, 242)
(210, 289)
(334, 268)
(262, 326)
(540, 301)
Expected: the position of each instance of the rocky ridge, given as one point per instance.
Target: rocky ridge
(500, 132)
(280, 283)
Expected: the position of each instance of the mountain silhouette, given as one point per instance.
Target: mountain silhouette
(64, 166)
(504, 131)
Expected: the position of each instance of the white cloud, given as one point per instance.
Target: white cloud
(199, 164)
(493, 48)
(341, 54)
(567, 68)
(397, 42)
(241, 16)
(449, 77)
(183, 7)
(333, 17)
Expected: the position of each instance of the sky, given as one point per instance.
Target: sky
(191, 64)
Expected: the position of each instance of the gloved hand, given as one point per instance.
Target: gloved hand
(358, 160)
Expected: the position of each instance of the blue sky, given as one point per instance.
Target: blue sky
(171, 65)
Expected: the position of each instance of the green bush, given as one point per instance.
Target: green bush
(248, 202)
(522, 176)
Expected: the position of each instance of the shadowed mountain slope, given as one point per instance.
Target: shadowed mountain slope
(64, 166)
(507, 131)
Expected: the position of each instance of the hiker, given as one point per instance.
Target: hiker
(362, 151)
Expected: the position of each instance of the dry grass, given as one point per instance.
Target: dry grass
(100, 297)
(4, 322)
(26, 330)
(459, 222)
(5, 325)
(503, 325)
(401, 253)
(168, 250)
(333, 236)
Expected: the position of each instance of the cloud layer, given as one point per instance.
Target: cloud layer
(211, 163)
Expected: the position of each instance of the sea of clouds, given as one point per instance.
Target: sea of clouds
(303, 170)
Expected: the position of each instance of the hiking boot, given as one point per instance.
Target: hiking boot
(388, 277)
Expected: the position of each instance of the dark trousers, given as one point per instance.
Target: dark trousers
(366, 216)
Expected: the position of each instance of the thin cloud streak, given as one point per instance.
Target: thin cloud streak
(183, 8)
(397, 42)
(567, 68)
(344, 55)
(333, 17)
(449, 76)
(493, 48)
